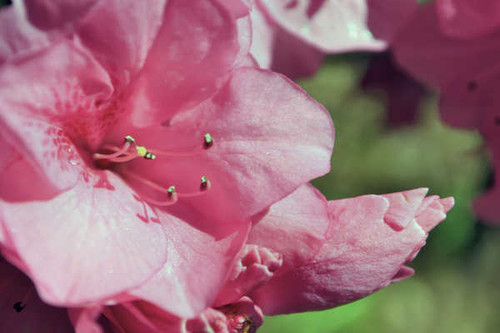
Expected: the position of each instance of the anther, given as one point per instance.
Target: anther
(129, 139)
(207, 141)
(149, 156)
(172, 192)
(205, 184)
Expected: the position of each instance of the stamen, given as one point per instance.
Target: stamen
(207, 141)
(120, 151)
(172, 194)
(144, 152)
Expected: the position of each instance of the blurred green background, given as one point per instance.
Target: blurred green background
(455, 288)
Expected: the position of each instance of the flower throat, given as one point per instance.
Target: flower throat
(130, 150)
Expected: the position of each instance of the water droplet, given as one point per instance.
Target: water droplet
(74, 162)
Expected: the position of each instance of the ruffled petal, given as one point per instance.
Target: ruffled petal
(196, 268)
(355, 249)
(195, 49)
(331, 26)
(119, 33)
(17, 36)
(87, 244)
(47, 101)
(254, 268)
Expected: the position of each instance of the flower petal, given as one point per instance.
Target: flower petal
(17, 35)
(47, 14)
(84, 320)
(196, 268)
(46, 99)
(269, 137)
(468, 19)
(331, 26)
(194, 51)
(119, 33)
(355, 252)
(89, 243)
(386, 18)
(255, 267)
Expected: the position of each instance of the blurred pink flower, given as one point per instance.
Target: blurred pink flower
(105, 105)
(452, 45)
(292, 36)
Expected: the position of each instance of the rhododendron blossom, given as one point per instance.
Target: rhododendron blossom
(113, 163)
(293, 36)
(152, 178)
(452, 45)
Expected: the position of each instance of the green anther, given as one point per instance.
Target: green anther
(149, 156)
(171, 191)
(129, 139)
(205, 183)
(207, 140)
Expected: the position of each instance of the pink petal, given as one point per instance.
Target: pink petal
(39, 97)
(17, 36)
(196, 268)
(194, 51)
(262, 38)
(88, 243)
(293, 57)
(403, 207)
(237, 8)
(254, 268)
(32, 315)
(119, 33)
(240, 316)
(331, 26)
(269, 138)
(48, 14)
(142, 317)
(432, 211)
(438, 60)
(294, 227)
(468, 19)
(355, 253)
(387, 17)
(84, 320)
(465, 70)
(19, 179)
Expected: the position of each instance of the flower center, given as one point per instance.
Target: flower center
(130, 151)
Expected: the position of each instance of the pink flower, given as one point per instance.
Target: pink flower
(444, 48)
(292, 36)
(105, 106)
